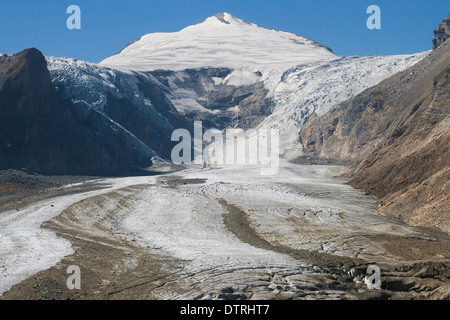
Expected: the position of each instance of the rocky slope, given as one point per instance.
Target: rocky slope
(41, 132)
(398, 136)
(117, 97)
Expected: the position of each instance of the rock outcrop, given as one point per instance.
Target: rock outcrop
(441, 33)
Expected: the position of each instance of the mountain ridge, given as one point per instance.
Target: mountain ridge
(146, 106)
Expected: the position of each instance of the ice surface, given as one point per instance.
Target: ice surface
(26, 248)
(317, 87)
(299, 208)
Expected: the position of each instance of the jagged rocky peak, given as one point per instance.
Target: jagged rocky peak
(441, 33)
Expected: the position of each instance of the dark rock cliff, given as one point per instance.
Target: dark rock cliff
(441, 33)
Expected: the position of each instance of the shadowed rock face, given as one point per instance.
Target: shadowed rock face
(398, 136)
(40, 132)
(219, 100)
(441, 33)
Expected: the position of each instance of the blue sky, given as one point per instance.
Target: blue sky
(107, 26)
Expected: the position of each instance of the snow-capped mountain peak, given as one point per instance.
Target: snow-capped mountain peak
(221, 40)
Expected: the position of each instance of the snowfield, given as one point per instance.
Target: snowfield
(225, 229)
(219, 41)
